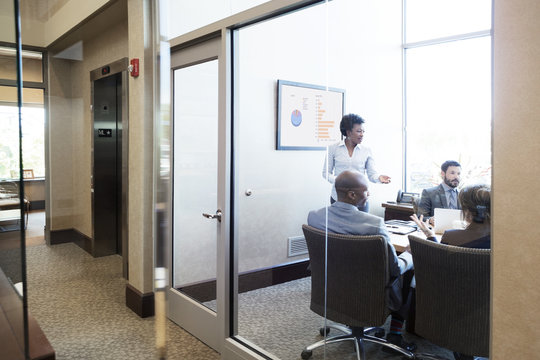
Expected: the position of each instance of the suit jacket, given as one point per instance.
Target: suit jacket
(474, 236)
(345, 218)
(432, 198)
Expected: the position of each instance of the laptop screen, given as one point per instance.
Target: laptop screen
(447, 219)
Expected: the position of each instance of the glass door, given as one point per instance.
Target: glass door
(196, 194)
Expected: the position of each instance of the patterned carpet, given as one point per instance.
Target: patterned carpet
(278, 319)
(79, 302)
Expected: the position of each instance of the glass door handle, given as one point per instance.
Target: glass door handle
(217, 215)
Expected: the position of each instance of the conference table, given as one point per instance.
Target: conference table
(401, 242)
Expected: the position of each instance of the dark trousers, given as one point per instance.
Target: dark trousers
(406, 311)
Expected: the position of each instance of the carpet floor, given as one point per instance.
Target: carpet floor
(79, 302)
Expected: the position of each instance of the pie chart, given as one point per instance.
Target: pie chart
(296, 117)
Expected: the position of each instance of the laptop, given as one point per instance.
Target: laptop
(446, 219)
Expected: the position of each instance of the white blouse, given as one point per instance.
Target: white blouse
(339, 161)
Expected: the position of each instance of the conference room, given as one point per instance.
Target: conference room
(423, 86)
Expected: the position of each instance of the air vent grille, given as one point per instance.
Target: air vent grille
(297, 246)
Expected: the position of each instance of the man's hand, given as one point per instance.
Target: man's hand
(385, 179)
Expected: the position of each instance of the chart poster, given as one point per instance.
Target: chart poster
(308, 116)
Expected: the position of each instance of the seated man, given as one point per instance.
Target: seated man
(345, 218)
(443, 195)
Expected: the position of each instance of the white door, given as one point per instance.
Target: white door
(196, 192)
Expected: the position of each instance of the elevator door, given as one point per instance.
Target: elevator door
(107, 166)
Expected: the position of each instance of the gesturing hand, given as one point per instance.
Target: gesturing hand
(424, 226)
(385, 179)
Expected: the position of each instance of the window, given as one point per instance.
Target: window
(447, 90)
(32, 141)
(33, 115)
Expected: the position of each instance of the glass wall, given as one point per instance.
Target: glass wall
(348, 45)
(275, 189)
(356, 47)
(13, 205)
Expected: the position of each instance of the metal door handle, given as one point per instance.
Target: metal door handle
(217, 215)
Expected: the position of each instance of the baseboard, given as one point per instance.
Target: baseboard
(141, 304)
(71, 235)
(37, 205)
(251, 280)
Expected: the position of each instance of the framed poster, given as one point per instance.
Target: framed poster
(308, 116)
(28, 174)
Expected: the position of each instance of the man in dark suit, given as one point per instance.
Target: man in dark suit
(444, 195)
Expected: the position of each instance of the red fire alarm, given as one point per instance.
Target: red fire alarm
(134, 67)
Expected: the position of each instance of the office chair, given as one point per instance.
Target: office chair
(356, 280)
(452, 296)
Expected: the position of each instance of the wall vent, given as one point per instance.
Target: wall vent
(297, 246)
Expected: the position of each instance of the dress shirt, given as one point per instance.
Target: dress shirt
(339, 161)
(447, 191)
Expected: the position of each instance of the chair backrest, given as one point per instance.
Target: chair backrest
(356, 273)
(452, 295)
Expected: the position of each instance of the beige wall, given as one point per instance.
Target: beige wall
(140, 213)
(516, 155)
(107, 47)
(60, 145)
(71, 128)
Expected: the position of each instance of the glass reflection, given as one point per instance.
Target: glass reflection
(13, 205)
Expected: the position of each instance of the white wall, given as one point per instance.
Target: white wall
(185, 16)
(364, 57)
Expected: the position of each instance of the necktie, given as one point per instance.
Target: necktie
(453, 202)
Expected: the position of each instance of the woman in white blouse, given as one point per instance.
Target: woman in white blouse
(350, 154)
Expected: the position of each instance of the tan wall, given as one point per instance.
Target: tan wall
(516, 159)
(60, 145)
(71, 128)
(140, 217)
(103, 49)
(34, 190)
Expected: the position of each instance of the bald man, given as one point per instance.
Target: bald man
(345, 218)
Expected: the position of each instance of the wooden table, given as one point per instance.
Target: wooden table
(401, 242)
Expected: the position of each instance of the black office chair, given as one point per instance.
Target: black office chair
(356, 284)
(452, 296)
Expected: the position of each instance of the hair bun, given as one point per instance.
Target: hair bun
(480, 215)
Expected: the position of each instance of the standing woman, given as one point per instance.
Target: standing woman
(350, 154)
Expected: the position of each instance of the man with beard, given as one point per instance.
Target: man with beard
(444, 195)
